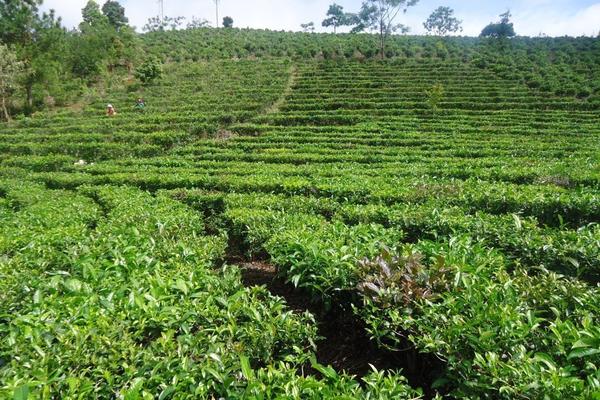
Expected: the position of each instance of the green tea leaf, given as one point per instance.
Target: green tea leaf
(21, 393)
(583, 352)
(165, 394)
(246, 368)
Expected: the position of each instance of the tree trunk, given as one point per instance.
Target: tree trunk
(29, 89)
(5, 110)
(382, 39)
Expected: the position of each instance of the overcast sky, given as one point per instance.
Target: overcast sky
(531, 17)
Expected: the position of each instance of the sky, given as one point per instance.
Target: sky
(531, 17)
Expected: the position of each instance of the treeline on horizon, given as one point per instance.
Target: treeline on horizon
(44, 65)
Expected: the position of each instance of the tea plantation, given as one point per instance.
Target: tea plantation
(447, 199)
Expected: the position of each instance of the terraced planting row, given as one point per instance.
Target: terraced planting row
(467, 232)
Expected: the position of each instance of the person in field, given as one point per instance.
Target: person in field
(140, 104)
(110, 110)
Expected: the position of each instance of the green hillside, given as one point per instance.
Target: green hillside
(565, 66)
(443, 203)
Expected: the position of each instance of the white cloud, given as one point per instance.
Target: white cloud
(554, 23)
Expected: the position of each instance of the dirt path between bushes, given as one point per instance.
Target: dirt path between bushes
(293, 71)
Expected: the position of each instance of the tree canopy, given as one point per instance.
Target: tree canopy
(502, 29)
(16, 20)
(228, 22)
(442, 21)
(48, 55)
(92, 15)
(380, 16)
(103, 42)
(336, 17)
(115, 13)
(37, 39)
(10, 72)
(197, 23)
(308, 27)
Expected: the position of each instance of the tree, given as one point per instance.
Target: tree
(309, 27)
(92, 15)
(157, 23)
(197, 23)
(125, 49)
(336, 17)
(380, 16)
(38, 40)
(16, 19)
(228, 22)
(149, 71)
(502, 29)
(10, 71)
(175, 22)
(442, 21)
(87, 52)
(100, 45)
(115, 14)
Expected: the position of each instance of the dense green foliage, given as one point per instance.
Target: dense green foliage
(11, 70)
(115, 13)
(149, 71)
(448, 200)
(502, 29)
(59, 65)
(565, 66)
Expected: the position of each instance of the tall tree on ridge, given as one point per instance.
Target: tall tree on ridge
(442, 21)
(115, 14)
(380, 16)
(227, 22)
(337, 17)
(92, 15)
(308, 27)
(502, 29)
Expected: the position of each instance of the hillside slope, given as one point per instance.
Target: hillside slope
(465, 229)
(564, 66)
